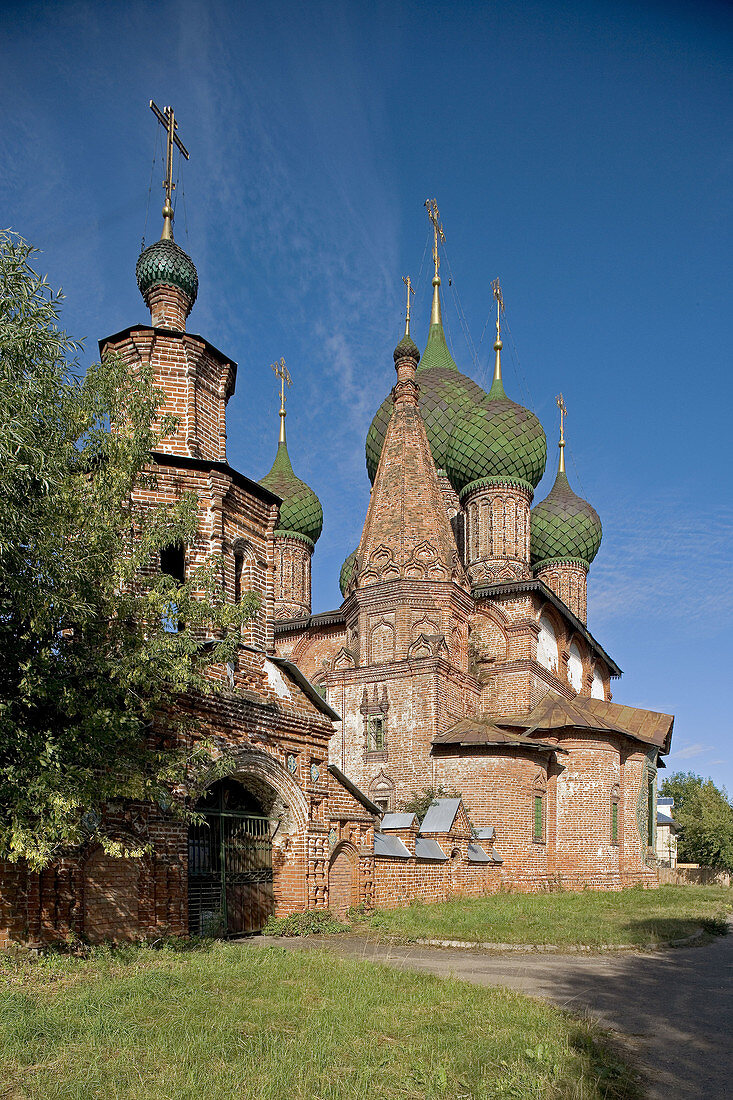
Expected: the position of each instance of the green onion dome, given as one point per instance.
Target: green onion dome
(564, 526)
(445, 394)
(301, 515)
(165, 263)
(347, 570)
(497, 438)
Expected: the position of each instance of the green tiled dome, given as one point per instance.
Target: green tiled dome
(164, 262)
(445, 393)
(497, 438)
(564, 525)
(300, 512)
(346, 571)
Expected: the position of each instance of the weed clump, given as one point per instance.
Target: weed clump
(311, 922)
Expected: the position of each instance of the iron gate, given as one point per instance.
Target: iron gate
(229, 874)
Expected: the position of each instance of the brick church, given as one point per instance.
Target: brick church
(459, 659)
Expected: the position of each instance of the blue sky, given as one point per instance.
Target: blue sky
(579, 151)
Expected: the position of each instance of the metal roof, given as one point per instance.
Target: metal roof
(553, 713)
(486, 832)
(476, 854)
(427, 848)
(482, 730)
(354, 790)
(390, 847)
(307, 687)
(397, 821)
(440, 816)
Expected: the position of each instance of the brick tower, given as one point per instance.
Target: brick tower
(299, 526)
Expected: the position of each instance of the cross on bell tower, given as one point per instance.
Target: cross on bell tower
(167, 120)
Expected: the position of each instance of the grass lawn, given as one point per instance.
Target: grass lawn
(226, 1021)
(590, 918)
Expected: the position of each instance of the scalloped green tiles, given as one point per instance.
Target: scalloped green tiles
(300, 511)
(564, 525)
(166, 263)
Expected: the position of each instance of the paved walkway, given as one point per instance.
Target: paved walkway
(673, 1009)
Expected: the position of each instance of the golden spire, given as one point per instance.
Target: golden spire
(408, 283)
(434, 215)
(281, 372)
(560, 402)
(167, 119)
(496, 290)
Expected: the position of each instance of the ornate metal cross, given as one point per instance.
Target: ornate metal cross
(167, 120)
(434, 215)
(560, 402)
(408, 283)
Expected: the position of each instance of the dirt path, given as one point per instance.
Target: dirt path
(673, 1009)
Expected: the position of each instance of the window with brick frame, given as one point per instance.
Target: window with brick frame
(376, 740)
(615, 798)
(538, 824)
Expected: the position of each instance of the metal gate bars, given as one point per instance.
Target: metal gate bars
(229, 874)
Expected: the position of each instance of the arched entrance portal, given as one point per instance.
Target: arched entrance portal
(229, 863)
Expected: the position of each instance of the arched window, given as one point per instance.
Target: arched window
(547, 645)
(575, 668)
(245, 581)
(597, 690)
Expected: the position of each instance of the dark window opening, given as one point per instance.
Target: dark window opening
(614, 821)
(173, 564)
(650, 812)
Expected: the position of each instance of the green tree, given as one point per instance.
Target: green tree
(420, 802)
(94, 655)
(705, 815)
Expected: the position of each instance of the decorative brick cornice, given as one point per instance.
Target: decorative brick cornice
(295, 536)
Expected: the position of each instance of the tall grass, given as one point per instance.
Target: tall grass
(228, 1021)
(591, 918)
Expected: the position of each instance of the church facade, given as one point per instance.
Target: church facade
(459, 661)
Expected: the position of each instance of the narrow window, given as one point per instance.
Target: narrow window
(173, 564)
(375, 733)
(650, 812)
(538, 824)
(238, 567)
(614, 821)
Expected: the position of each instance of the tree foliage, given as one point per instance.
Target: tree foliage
(705, 815)
(420, 802)
(90, 668)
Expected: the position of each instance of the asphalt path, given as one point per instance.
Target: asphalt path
(672, 1010)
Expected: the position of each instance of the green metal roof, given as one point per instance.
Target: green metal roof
(497, 438)
(445, 393)
(564, 525)
(406, 346)
(166, 263)
(300, 511)
(346, 571)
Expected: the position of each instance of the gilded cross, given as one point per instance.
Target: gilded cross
(560, 402)
(408, 283)
(282, 372)
(434, 215)
(167, 120)
(496, 291)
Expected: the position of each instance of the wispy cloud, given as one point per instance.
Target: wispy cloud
(664, 558)
(690, 751)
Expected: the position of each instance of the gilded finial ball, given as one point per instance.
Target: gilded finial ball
(498, 345)
(436, 280)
